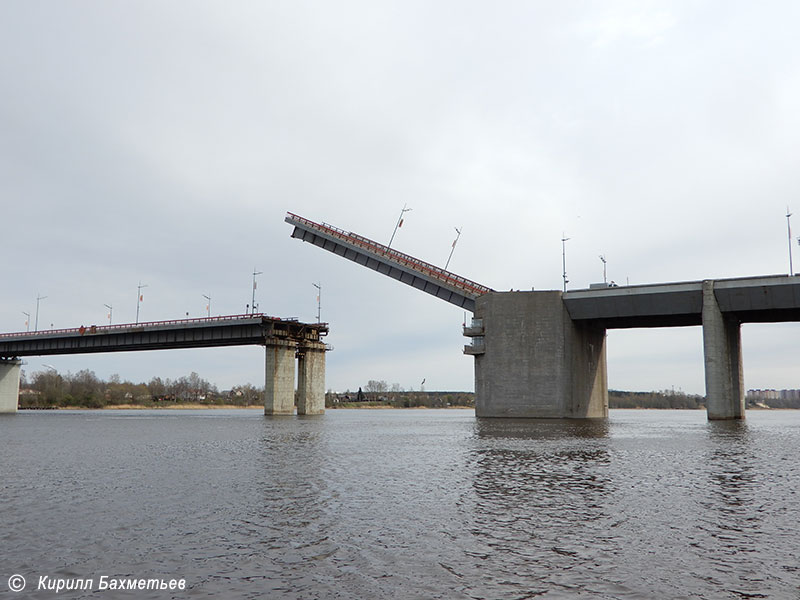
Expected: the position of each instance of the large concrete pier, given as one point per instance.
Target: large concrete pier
(533, 360)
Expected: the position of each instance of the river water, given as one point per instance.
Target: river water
(402, 504)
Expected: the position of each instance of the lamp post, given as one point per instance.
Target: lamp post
(564, 241)
(603, 258)
(789, 229)
(253, 304)
(139, 298)
(208, 306)
(319, 301)
(36, 323)
(110, 312)
(452, 249)
(27, 320)
(399, 224)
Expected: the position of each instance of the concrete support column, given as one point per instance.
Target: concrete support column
(9, 385)
(537, 362)
(311, 379)
(722, 347)
(279, 380)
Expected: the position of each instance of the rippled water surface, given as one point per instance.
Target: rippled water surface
(404, 504)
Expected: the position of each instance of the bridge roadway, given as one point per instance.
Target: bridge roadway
(765, 299)
(283, 339)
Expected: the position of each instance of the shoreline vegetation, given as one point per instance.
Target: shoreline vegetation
(84, 390)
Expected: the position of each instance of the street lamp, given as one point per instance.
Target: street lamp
(139, 298)
(452, 249)
(319, 301)
(253, 305)
(789, 229)
(36, 323)
(110, 312)
(564, 241)
(27, 320)
(399, 224)
(208, 306)
(603, 258)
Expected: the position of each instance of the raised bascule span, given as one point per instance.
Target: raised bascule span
(424, 276)
(542, 354)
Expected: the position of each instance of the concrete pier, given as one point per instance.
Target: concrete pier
(9, 385)
(532, 360)
(722, 347)
(279, 379)
(311, 379)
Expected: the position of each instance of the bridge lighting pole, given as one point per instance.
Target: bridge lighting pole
(564, 241)
(603, 258)
(27, 320)
(110, 312)
(319, 301)
(399, 224)
(253, 304)
(789, 228)
(452, 249)
(208, 306)
(139, 298)
(36, 323)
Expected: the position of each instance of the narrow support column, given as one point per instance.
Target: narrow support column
(722, 347)
(311, 379)
(9, 385)
(279, 380)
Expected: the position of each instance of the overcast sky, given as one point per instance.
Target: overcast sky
(163, 142)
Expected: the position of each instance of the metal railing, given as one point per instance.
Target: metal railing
(438, 273)
(93, 329)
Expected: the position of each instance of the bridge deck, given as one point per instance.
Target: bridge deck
(424, 276)
(766, 299)
(234, 330)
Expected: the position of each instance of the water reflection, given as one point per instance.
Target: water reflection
(540, 502)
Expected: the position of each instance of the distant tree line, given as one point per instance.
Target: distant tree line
(379, 393)
(665, 400)
(44, 389)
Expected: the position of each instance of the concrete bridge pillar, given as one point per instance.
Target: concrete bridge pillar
(311, 378)
(722, 347)
(279, 380)
(9, 385)
(533, 360)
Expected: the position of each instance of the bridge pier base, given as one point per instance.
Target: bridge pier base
(279, 379)
(722, 349)
(311, 379)
(9, 385)
(535, 361)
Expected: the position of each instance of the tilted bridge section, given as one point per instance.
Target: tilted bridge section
(284, 340)
(542, 354)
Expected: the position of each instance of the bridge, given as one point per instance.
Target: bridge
(542, 354)
(284, 340)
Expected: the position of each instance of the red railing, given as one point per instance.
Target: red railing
(92, 329)
(400, 257)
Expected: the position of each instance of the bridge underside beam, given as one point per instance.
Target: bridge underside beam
(386, 267)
